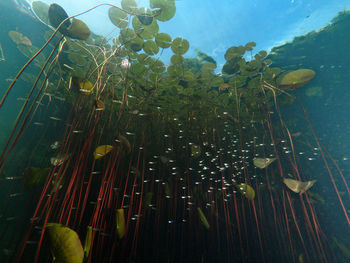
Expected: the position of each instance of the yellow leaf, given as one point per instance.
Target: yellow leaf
(102, 151)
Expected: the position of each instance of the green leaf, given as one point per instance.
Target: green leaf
(118, 17)
(126, 35)
(180, 46)
(177, 59)
(233, 52)
(145, 31)
(145, 16)
(174, 70)
(150, 47)
(163, 40)
(166, 9)
(129, 5)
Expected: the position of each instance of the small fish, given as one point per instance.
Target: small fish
(55, 145)
(77, 131)
(21, 99)
(38, 123)
(54, 118)
(65, 65)
(13, 178)
(59, 98)
(15, 194)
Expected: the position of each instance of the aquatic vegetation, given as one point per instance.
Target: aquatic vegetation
(34, 176)
(296, 79)
(263, 162)
(65, 244)
(298, 186)
(41, 9)
(246, 190)
(202, 218)
(19, 38)
(181, 137)
(120, 223)
(102, 150)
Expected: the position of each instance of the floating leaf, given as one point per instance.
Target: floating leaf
(19, 38)
(125, 147)
(249, 46)
(99, 105)
(145, 31)
(118, 17)
(246, 190)
(166, 9)
(163, 40)
(78, 30)
(145, 16)
(120, 223)
(180, 46)
(41, 10)
(64, 244)
(298, 186)
(150, 47)
(102, 151)
(233, 52)
(126, 35)
(87, 243)
(174, 70)
(208, 67)
(203, 218)
(157, 66)
(135, 44)
(129, 5)
(296, 79)
(176, 59)
(56, 16)
(86, 87)
(34, 176)
(188, 76)
(263, 162)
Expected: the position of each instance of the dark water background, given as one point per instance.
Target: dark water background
(326, 100)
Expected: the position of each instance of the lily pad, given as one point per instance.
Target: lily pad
(157, 66)
(176, 59)
(246, 190)
(166, 9)
(296, 79)
(41, 10)
(145, 16)
(135, 44)
(249, 46)
(126, 35)
(174, 70)
(163, 40)
(180, 46)
(145, 31)
(233, 52)
(150, 47)
(56, 16)
(78, 30)
(208, 67)
(64, 243)
(19, 38)
(129, 5)
(118, 17)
